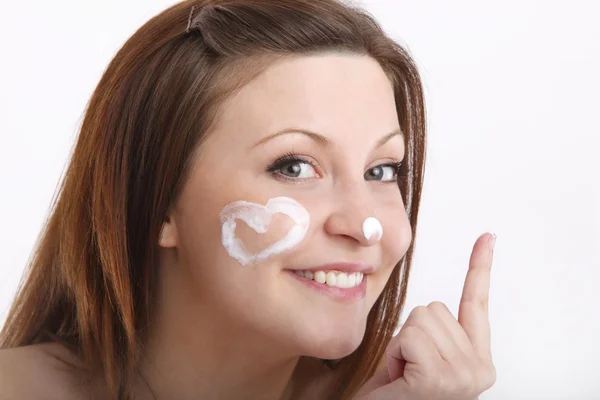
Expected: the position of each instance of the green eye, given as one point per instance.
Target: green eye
(291, 166)
(384, 173)
(297, 169)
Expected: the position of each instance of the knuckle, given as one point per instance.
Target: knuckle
(464, 380)
(477, 303)
(483, 303)
(418, 313)
(487, 376)
(407, 335)
(461, 379)
(438, 306)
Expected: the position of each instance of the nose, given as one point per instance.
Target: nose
(356, 220)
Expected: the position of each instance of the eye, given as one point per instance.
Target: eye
(297, 169)
(291, 166)
(384, 173)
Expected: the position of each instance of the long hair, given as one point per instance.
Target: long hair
(90, 282)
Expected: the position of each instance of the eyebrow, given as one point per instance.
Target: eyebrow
(320, 139)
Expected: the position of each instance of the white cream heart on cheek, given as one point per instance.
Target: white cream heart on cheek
(258, 217)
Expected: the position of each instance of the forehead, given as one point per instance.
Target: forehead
(335, 94)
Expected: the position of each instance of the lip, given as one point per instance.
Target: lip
(339, 294)
(346, 267)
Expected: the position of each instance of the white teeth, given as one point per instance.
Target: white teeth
(333, 278)
(351, 280)
(342, 281)
(320, 277)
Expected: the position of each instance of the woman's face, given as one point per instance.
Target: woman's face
(337, 176)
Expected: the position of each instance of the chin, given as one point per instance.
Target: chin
(334, 345)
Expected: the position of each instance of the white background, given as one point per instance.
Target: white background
(512, 93)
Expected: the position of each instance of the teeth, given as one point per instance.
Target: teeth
(342, 280)
(352, 280)
(333, 278)
(320, 276)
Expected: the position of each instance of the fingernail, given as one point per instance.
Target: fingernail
(492, 241)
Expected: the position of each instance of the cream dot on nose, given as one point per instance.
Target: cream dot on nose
(372, 229)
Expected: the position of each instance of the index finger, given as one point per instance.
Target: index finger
(473, 313)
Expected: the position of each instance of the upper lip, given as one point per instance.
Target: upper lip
(347, 267)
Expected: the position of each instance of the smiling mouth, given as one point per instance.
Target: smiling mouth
(337, 279)
(338, 285)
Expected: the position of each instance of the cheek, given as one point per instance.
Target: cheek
(254, 241)
(397, 237)
(395, 242)
(199, 237)
(271, 229)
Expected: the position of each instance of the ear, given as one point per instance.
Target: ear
(168, 234)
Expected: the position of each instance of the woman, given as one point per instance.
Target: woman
(237, 220)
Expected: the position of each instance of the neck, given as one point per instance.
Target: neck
(195, 352)
(176, 371)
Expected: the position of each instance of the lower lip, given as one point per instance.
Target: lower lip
(344, 294)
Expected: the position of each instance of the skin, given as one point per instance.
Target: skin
(437, 357)
(269, 318)
(223, 330)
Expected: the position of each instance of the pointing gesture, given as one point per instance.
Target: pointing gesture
(435, 356)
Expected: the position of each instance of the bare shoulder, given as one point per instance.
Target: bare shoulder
(39, 371)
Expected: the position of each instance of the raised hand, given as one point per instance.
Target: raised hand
(437, 357)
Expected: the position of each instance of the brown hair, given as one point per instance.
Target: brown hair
(90, 281)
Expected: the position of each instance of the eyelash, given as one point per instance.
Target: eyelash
(290, 158)
(286, 159)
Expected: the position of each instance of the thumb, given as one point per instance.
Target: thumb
(395, 365)
(394, 359)
(389, 368)
(388, 377)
